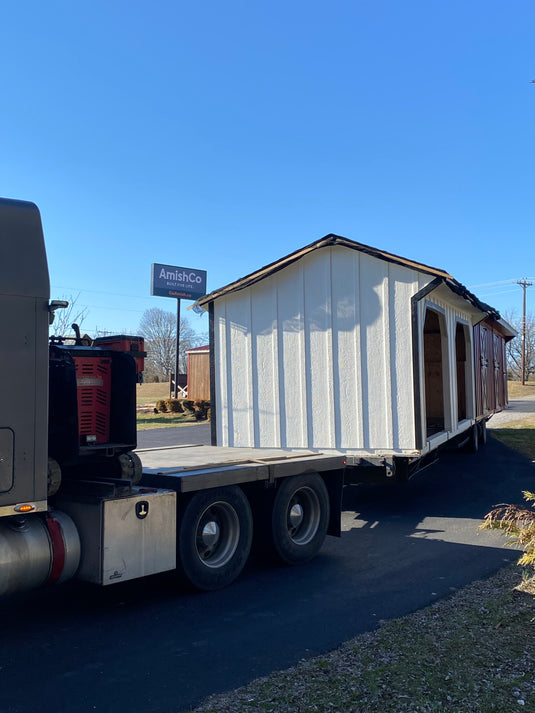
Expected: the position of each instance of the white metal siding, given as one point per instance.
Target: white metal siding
(319, 355)
(265, 382)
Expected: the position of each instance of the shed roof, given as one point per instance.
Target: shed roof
(199, 350)
(337, 240)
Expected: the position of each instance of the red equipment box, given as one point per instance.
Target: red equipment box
(93, 382)
(125, 343)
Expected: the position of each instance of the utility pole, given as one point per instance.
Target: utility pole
(523, 284)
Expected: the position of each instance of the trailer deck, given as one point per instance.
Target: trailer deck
(192, 468)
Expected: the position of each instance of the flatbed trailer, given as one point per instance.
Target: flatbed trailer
(285, 500)
(198, 467)
(199, 509)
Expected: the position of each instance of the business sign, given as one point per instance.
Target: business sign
(181, 282)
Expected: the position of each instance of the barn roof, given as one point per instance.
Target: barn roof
(331, 240)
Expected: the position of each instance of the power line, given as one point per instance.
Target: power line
(491, 284)
(100, 292)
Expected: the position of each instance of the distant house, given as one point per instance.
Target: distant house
(343, 346)
(199, 373)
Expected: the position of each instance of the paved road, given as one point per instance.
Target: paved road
(517, 409)
(145, 647)
(198, 434)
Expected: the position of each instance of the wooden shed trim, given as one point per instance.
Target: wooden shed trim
(325, 242)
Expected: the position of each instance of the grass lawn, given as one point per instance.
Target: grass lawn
(150, 393)
(519, 435)
(146, 421)
(516, 390)
(147, 395)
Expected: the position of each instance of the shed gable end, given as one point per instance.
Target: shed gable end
(318, 355)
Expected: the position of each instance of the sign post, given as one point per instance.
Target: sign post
(180, 283)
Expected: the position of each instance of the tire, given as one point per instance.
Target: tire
(130, 467)
(483, 433)
(473, 439)
(53, 477)
(215, 535)
(300, 518)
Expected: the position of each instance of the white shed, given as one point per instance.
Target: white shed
(343, 346)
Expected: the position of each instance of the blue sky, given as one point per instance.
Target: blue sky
(222, 136)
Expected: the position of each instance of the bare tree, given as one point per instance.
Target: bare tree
(65, 318)
(158, 327)
(514, 347)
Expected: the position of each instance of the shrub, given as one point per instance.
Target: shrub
(161, 406)
(188, 405)
(200, 410)
(174, 405)
(518, 524)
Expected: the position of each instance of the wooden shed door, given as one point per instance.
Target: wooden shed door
(484, 362)
(499, 370)
(461, 355)
(491, 370)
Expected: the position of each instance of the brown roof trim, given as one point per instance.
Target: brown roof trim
(199, 350)
(325, 242)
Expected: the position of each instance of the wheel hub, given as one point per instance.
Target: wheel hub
(210, 534)
(218, 534)
(303, 516)
(296, 515)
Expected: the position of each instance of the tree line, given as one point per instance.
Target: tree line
(158, 328)
(514, 348)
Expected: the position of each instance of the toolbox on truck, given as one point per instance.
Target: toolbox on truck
(124, 537)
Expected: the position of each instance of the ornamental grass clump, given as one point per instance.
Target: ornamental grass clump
(174, 406)
(518, 524)
(161, 406)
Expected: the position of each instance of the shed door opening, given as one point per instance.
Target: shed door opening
(460, 351)
(434, 373)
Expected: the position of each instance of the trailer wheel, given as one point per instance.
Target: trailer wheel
(483, 433)
(300, 518)
(215, 536)
(473, 439)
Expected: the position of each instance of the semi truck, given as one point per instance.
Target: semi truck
(315, 382)
(76, 500)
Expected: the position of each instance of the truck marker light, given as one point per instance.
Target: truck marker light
(24, 508)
